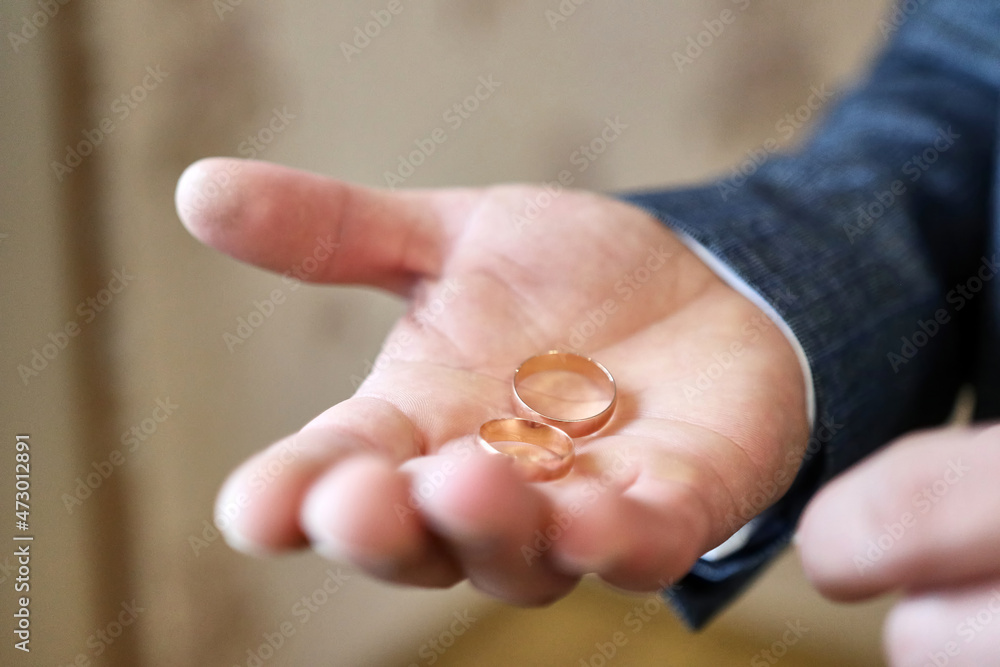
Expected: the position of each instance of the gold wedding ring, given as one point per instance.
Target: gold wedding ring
(571, 392)
(540, 452)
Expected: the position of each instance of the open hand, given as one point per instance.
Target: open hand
(711, 402)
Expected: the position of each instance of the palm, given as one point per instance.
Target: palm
(487, 291)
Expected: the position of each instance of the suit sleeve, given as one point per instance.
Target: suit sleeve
(864, 242)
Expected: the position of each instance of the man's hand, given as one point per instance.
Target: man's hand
(922, 517)
(711, 399)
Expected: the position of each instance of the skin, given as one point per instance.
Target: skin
(946, 562)
(664, 482)
(683, 464)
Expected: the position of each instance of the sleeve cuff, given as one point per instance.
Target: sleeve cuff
(741, 286)
(743, 536)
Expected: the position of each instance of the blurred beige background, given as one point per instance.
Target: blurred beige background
(180, 79)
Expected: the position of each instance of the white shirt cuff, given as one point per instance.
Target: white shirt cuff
(742, 536)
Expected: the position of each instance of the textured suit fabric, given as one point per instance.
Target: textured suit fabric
(875, 242)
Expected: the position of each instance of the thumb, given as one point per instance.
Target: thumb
(316, 228)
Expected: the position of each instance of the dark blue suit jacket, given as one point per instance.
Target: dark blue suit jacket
(883, 228)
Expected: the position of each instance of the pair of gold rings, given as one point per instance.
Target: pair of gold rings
(558, 396)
